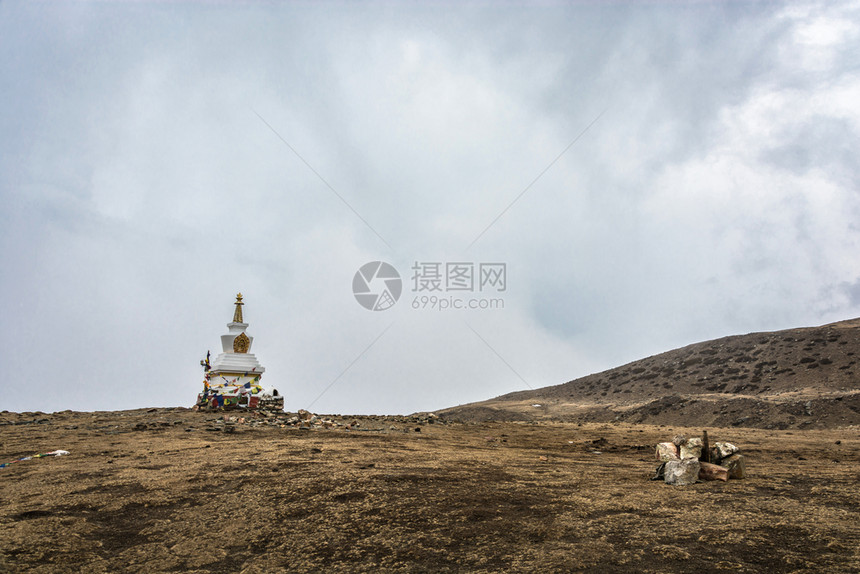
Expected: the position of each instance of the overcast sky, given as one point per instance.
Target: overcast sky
(156, 159)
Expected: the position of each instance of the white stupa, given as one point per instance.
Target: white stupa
(233, 379)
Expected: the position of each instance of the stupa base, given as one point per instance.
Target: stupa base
(230, 397)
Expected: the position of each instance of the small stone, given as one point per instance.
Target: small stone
(679, 440)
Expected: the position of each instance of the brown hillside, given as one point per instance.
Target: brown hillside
(806, 377)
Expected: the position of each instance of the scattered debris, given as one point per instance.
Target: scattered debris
(23, 458)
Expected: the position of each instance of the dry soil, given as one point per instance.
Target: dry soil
(395, 495)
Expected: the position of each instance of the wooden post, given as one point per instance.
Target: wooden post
(706, 448)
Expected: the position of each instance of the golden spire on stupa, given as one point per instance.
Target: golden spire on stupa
(237, 315)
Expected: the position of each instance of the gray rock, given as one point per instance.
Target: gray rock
(681, 472)
(667, 451)
(726, 449)
(736, 465)
(692, 448)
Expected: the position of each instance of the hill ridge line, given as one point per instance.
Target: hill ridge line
(804, 377)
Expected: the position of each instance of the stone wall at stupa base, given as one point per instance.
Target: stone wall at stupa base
(238, 391)
(262, 401)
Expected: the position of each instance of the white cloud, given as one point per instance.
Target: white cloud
(140, 191)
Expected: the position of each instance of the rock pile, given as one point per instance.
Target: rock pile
(687, 460)
(307, 420)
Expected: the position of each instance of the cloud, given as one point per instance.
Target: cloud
(141, 190)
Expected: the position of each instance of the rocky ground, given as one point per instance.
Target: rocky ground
(170, 490)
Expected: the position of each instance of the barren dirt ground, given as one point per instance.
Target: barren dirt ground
(485, 497)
